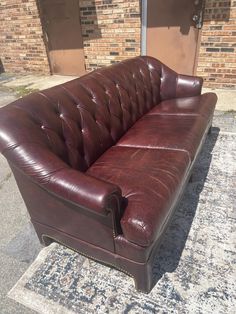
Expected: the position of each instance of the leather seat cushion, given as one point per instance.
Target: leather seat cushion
(178, 132)
(150, 180)
(203, 105)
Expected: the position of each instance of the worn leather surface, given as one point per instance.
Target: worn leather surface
(176, 132)
(81, 119)
(202, 105)
(114, 146)
(64, 215)
(150, 180)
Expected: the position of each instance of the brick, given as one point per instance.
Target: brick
(213, 49)
(111, 33)
(22, 47)
(119, 26)
(218, 44)
(227, 49)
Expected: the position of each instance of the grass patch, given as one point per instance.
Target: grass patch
(230, 111)
(21, 91)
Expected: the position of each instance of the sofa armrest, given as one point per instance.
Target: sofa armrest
(174, 85)
(47, 170)
(188, 86)
(85, 191)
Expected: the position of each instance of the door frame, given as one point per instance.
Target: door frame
(144, 27)
(46, 41)
(144, 34)
(44, 37)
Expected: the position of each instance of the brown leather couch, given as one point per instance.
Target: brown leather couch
(101, 161)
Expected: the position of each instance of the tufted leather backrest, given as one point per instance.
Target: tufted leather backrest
(81, 119)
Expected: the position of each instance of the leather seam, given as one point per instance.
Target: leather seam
(155, 148)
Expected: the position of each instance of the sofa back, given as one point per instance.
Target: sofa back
(81, 119)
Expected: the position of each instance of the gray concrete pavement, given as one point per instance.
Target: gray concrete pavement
(226, 98)
(6, 97)
(18, 242)
(14, 221)
(35, 81)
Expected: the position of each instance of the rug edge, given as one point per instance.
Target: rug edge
(23, 296)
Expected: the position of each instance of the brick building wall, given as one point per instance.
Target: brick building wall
(217, 56)
(21, 45)
(111, 31)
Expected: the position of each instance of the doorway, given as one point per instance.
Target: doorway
(173, 30)
(63, 36)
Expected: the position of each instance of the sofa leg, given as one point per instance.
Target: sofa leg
(209, 130)
(44, 240)
(144, 279)
(141, 273)
(190, 180)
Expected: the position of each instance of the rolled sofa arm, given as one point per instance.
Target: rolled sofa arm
(51, 173)
(86, 191)
(188, 86)
(174, 85)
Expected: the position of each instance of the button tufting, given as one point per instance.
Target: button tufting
(110, 106)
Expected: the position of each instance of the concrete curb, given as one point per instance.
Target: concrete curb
(226, 98)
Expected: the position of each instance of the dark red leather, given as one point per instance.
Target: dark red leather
(97, 108)
(44, 162)
(203, 105)
(101, 161)
(150, 180)
(177, 86)
(165, 132)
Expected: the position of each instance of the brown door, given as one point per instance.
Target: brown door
(173, 32)
(62, 29)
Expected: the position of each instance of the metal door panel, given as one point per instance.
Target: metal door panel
(61, 23)
(172, 33)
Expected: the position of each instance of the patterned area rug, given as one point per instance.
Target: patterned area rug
(195, 270)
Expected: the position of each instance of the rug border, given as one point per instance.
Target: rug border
(24, 296)
(40, 303)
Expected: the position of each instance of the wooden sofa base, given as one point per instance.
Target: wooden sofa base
(142, 273)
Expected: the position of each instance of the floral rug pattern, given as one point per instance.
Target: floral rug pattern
(195, 270)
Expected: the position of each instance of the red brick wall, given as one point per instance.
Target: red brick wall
(217, 57)
(21, 45)
(111, 31)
